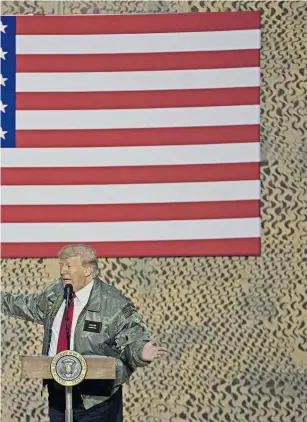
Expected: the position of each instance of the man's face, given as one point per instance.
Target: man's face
(73, 272)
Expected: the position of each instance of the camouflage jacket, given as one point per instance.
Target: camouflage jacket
(122, 335)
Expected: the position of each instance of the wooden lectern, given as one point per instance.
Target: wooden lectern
(39, 367)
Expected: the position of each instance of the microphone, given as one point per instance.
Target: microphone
(68, 292)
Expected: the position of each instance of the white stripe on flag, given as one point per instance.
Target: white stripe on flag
(138, 43)
(138, 81)
(137, 118)
(130, 194)
(131, 231)
(131, 156)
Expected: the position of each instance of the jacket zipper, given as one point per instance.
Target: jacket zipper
(83, 312)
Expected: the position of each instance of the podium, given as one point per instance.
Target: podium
(68, 368)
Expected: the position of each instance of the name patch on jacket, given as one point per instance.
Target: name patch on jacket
(92, 326)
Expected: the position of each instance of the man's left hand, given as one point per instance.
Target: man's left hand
(153, 351)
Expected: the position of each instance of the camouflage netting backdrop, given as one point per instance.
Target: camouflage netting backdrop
(236, 327)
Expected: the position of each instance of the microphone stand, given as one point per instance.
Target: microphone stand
(68, 292)
(67, 304)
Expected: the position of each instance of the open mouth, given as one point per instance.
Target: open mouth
(66, 280)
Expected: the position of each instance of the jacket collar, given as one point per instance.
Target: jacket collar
(94, 302)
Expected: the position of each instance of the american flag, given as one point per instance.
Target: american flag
(136, 134)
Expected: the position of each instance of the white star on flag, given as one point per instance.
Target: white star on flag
(2, 80)
(2, 54)
(2, 27)
(2, 133)
(2, 107)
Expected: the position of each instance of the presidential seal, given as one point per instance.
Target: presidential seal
(68, 368)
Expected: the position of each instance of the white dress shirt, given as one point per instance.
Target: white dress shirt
(80, 301)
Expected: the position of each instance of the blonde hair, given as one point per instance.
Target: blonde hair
(87, 254)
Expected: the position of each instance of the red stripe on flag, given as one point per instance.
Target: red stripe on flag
(136, 137)
(129, 212)
(220, 247)
(136, 24)
(136, 99)
(130, 175)
(136, 62)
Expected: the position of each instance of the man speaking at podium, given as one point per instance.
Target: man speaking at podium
(101, 321)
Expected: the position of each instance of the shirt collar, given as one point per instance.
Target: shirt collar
(84, 294)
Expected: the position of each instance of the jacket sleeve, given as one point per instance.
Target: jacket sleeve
(29, 307)
(131, 336)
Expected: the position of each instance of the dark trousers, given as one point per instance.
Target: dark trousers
(109, 411)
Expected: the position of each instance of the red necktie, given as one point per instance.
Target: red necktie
(62, 340)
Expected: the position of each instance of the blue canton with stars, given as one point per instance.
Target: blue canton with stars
(8, 81)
